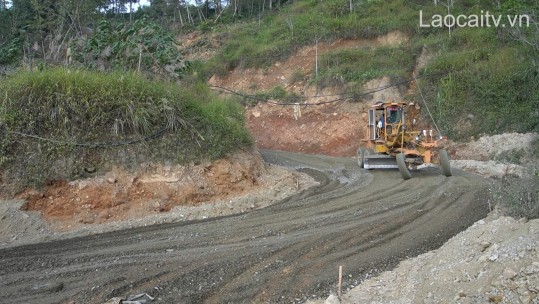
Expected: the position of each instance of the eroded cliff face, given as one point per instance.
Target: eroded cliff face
(236, 183)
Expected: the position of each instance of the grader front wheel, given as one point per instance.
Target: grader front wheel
(444, 163)
(403, 169)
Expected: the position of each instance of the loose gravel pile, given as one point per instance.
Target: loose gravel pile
(496, 260)
(495, 156)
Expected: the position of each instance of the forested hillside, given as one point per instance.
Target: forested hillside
(90, 86)
(484, 77)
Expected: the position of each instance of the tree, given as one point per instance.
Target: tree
(5, 24)
(526, 30)
(4, 4)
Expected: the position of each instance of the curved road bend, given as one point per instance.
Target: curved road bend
(366, 221)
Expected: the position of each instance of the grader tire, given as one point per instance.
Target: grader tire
(403, 169)
(444, 163)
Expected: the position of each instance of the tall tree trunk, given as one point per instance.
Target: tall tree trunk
(201, 15)
(180, 14)
(130, 12)
(217, 7)
(189, 17)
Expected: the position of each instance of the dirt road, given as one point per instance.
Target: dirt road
(366, 221)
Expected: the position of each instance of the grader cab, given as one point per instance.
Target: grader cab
(395, 139)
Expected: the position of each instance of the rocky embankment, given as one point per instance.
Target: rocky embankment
(496, 260)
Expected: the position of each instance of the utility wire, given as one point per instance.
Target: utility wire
(352, 94)
(253, 97)
(428, 110)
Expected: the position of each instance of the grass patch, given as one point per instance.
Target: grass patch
(484, 81)
(87, 119)
(361, 65)
(490, 86)
(260, 43)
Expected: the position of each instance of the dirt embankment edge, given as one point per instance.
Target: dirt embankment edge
(159, 194)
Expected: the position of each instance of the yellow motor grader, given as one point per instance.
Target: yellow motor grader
(395, 139)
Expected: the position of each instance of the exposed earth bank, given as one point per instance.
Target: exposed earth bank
(330, 129)
(156, 194)
(329, 119)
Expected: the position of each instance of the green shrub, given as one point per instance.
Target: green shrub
(11, 51)
(142, 45)
(490, 86)
(58, 122)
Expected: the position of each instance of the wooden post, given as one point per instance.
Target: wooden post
(339, 289)
(139, 57)
(316, 58)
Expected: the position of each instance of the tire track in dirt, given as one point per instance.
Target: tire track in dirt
(365, 220)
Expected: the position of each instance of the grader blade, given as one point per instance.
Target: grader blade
(380, 162)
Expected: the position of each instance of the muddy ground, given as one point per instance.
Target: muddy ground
(285, 253)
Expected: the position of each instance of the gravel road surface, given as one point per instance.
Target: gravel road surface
(366, 221)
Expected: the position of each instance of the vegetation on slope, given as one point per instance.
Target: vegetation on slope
(142, 45)
(63, 123)
(479, 80)
(490, 86)
(278, 35)
(484, 79)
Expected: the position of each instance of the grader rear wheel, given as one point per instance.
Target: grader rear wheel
(444, 163)
(403, 169)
